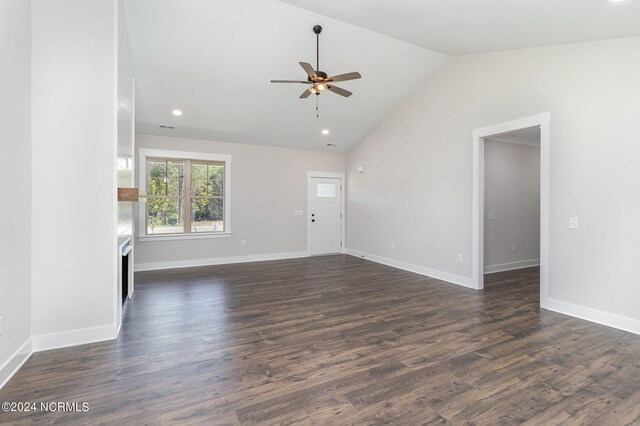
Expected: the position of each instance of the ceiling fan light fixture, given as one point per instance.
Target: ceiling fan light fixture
(320, 81)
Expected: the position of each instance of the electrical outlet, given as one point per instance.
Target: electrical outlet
(460, 259)
(573, 223)
(243, 243)
(392, 245)
(513, 248)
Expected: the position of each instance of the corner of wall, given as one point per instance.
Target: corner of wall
(13, 364)
(427, 272)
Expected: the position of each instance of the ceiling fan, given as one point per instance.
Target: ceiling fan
(319, 81)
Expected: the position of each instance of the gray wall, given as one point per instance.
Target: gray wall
(267, 185)
(74, 82)
(417, 186)
(512, 194)
(15, 175)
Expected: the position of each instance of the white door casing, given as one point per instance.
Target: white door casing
(477, 223)
(325, 213)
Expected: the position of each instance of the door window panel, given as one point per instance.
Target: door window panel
(327, 190)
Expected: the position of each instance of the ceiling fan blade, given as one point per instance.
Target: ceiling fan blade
(289, 81)
(339, 91)
(308, 69)
(345, 77)
(305, 94)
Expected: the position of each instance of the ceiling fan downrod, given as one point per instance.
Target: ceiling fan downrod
(317, 30)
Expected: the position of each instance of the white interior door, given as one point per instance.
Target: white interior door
(325, 215)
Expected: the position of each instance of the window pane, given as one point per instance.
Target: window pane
(199, 185)
(169, 191)
(207, 215)
(326, 190)
(216, 180)
(175, 178)
(156, 177)
(165, 178)
(165, 216)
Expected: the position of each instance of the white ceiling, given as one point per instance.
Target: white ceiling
(529, 136)
(456, 27)
(214, 59)
(532, 133)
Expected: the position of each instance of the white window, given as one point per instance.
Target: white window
(327, 190)
(187, 194)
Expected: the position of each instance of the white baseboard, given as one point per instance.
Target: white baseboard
(501, 267)
(218, 261)
(593, 315)
(444, 276)
(13, 364)
(45, 342)
(600, 317)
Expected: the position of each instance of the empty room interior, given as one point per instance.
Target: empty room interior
(320, 212)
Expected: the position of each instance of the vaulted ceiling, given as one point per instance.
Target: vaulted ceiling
(457, 27)
(214, 59)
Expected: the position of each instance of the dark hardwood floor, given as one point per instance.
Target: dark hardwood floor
(338, 340)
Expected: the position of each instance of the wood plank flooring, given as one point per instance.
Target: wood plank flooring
(342, 341)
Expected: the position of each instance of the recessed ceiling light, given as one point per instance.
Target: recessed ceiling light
(176, 112)
(325, 132)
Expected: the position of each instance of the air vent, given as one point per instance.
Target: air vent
(167, 126)
(331, 144)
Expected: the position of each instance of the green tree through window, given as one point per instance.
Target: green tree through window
(184, 196)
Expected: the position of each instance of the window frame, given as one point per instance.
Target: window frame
(145, 154)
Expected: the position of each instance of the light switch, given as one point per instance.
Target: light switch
(360, 169)
(573, 223)
(491, 215)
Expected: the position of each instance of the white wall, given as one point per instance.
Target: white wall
(15, 226)
(512, 194)
(416, 190)
(267, 185)
(74, 97)
(126, 97)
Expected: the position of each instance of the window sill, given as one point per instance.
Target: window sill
(184, 237)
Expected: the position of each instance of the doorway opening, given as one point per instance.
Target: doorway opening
(325, 217)
(516, 130)
(512, 211)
